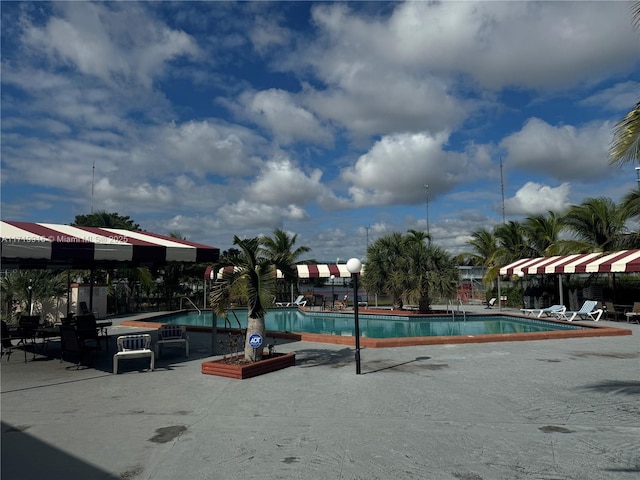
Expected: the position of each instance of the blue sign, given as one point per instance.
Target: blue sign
(255, 340)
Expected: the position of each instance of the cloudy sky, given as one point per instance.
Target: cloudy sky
(328, 120)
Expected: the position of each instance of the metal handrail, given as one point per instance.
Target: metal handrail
(194, 305)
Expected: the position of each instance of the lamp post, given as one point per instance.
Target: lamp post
(521, 276)
(354, 266)
(333, 296)
(30, 288)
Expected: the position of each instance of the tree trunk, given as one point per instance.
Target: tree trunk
(254, 325)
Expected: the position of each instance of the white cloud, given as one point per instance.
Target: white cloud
(281, 183)
(534, 199)
(620, 97)
(118, 43)
(397, 168)
(197, 147)
(564, 152)
(281, 113)
(485, 40)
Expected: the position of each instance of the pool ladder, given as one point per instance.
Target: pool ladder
(189, 300)
(453, 311)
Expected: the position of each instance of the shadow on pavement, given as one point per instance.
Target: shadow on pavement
(25, 457)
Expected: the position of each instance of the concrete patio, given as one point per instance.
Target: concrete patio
(550, 409)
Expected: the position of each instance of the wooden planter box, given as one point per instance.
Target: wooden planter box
(223, 368)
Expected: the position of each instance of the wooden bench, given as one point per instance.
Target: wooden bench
(133, 346)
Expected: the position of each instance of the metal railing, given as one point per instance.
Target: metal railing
(194, 305)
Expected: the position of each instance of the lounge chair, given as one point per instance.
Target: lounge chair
(549, 311)
(491, 302)
(588, 311)
(299, 302)
(634, 314)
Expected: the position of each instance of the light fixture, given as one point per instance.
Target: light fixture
(354, 266)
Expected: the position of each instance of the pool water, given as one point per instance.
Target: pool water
(374, 326)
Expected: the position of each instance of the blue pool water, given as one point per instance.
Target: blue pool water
(378, 326)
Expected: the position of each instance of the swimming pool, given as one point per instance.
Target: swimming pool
(391, 330)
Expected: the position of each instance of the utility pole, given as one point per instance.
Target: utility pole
(426, 189)
(502, 189)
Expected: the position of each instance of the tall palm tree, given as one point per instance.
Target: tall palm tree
(429, 271)
(257, 274)
(631, 204)
(281, 250)
(409, 269)
(384, 272)
(598, 222)
(625, 146)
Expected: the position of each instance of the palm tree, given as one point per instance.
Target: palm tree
(625, 146)
(409, 269)
(281, 250)
(384, 268)
(597, 222)
(430, 271)
(257, 274)
(631, 204)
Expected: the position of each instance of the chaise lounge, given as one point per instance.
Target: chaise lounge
(549, 311)
(588, 311)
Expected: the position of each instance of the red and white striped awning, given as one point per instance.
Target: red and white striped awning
(41, 245)
(304, 271)
(622, 261)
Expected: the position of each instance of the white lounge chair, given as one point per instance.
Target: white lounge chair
(133, 346)
(299, 302)
(172, 336)
(491, 302)
(588, 311)
(549, 311)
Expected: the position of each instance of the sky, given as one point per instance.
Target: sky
(336, 122)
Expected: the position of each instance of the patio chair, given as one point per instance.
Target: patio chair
(172, 336)
(27, 331)
(611, 312)
(88, 332)
(588, 311)
(133, 346)
(491, 302)
(70, 344)
(7, 344)
(549, 311)
(341, 304)
(634, 314)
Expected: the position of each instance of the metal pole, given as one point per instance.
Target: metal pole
(357, 320)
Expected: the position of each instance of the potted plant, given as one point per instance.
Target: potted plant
(255, 273)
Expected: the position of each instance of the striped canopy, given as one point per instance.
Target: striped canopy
(622, 261)
(42, 245)
(304, 271)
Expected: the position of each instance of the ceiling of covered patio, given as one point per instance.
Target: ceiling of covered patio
(45, 245)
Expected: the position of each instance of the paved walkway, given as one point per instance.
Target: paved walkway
(551, 409)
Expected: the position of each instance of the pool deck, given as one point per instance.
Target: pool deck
(558, 409)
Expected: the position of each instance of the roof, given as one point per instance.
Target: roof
(601, 262)
(304, 271)
(47, 245)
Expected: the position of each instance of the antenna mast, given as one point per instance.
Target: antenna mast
(93, 178)
(502, 189)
